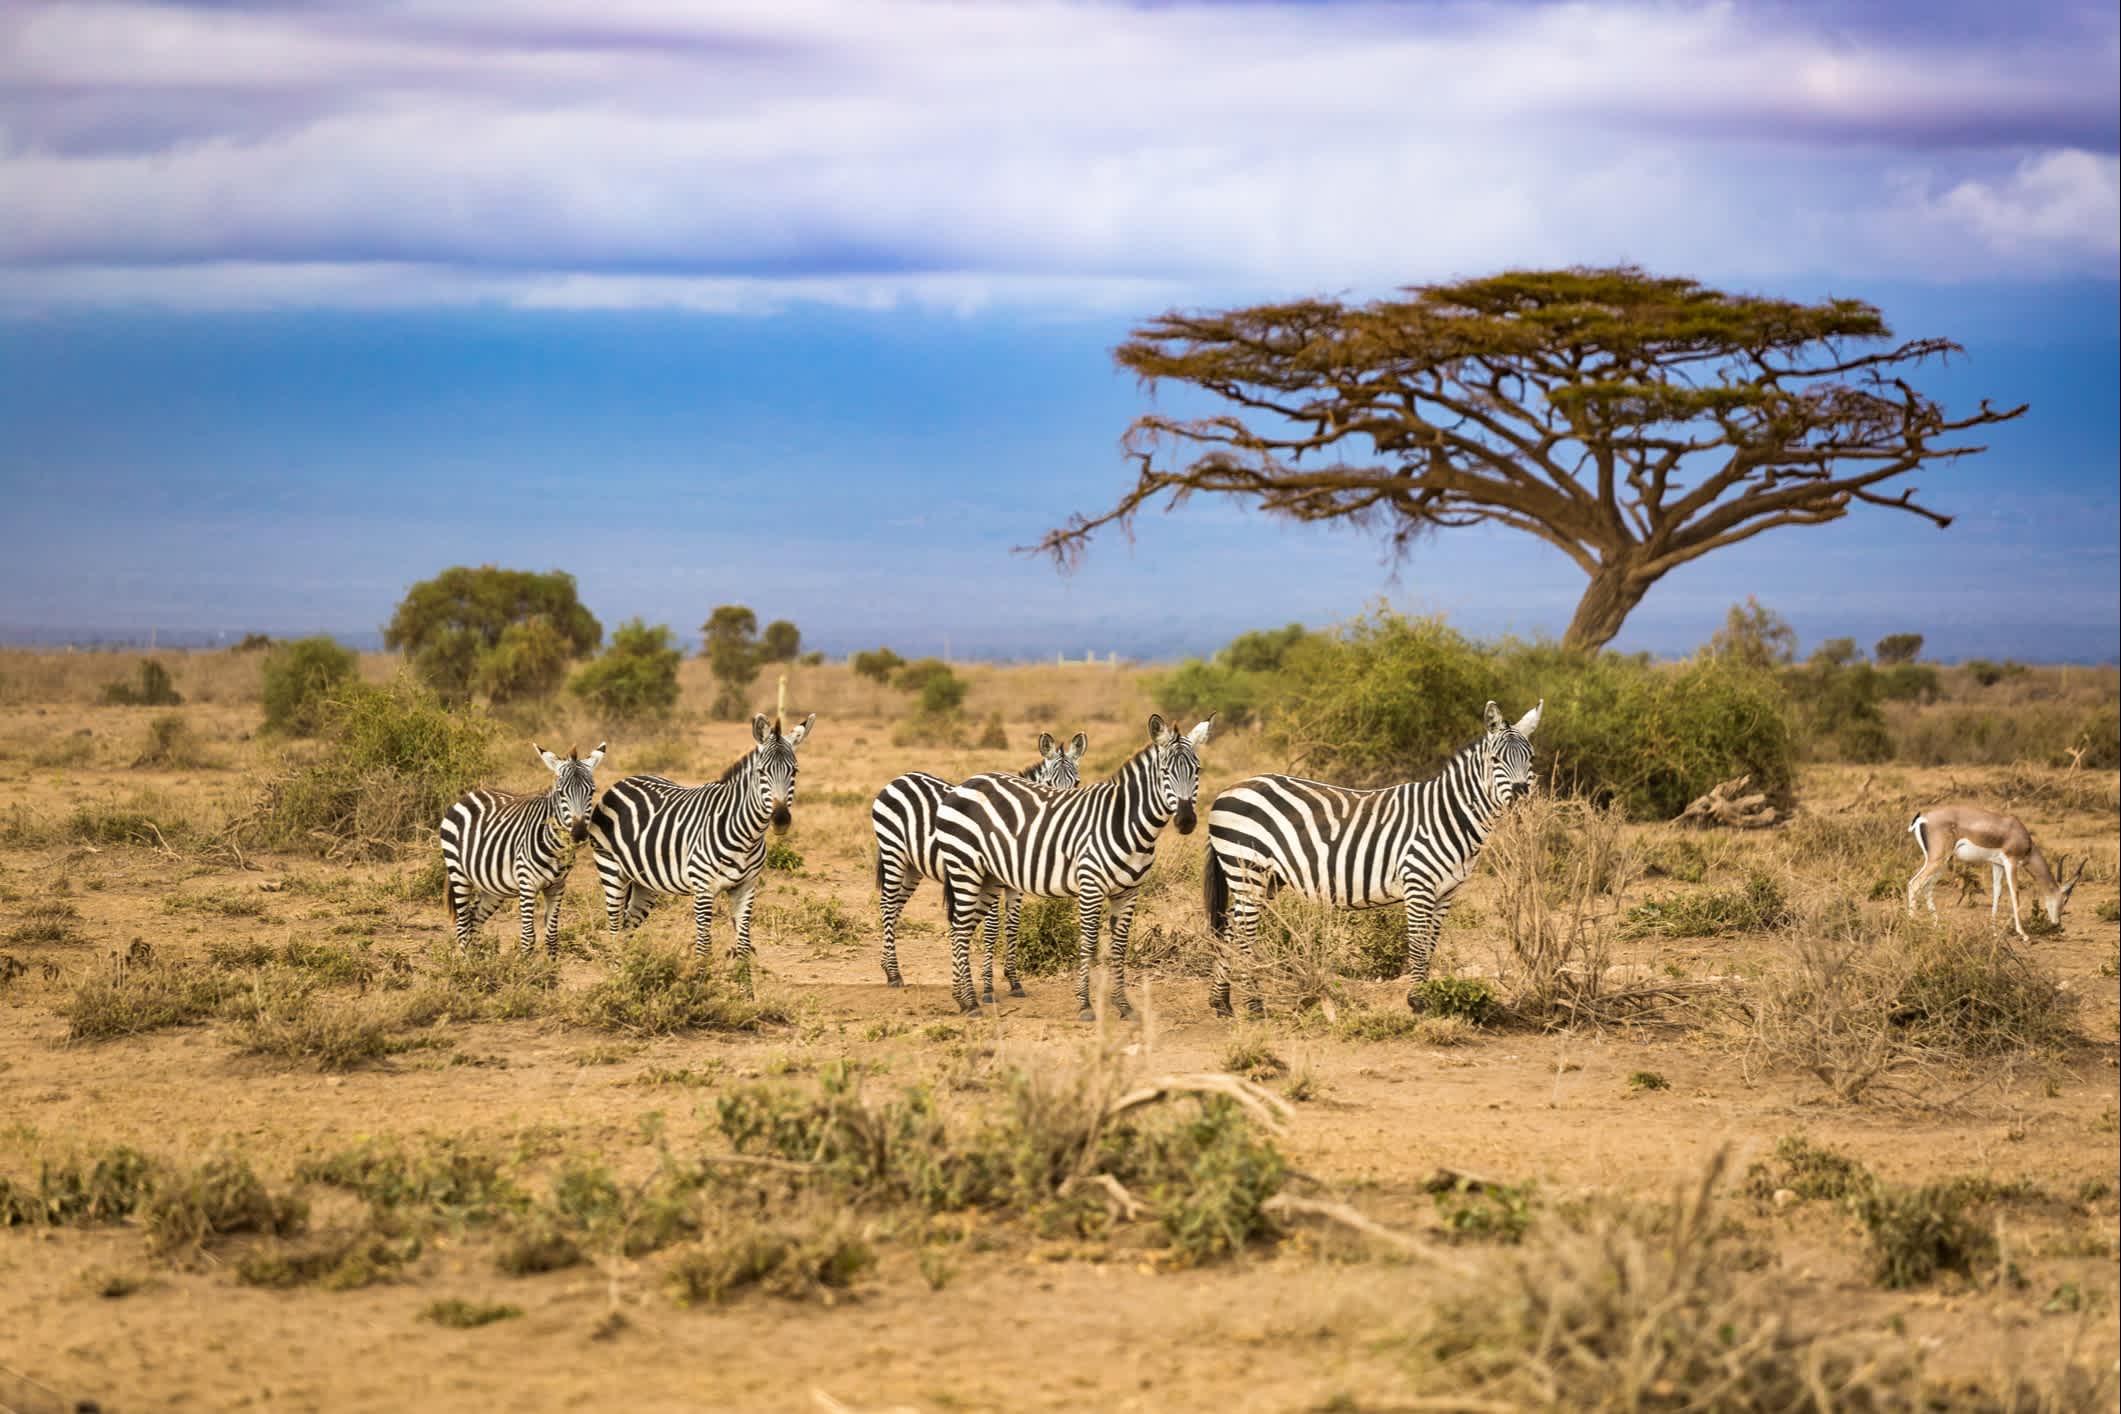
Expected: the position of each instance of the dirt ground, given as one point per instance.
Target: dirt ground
(1023, 1324)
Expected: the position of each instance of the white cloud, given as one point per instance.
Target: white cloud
(738, 157)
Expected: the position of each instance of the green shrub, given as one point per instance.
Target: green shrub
(301, 679)
(636, 677)
(80, 1192)
(219, 1197)
(936, 689)
(153, 688)
(1837, 707)
(1048, 937)
(171, 745)
(1469, 997)
(787, 1262)
(878, 665)
(1898, 648)
(1195, 688)
(395, 758)
(1917, 1234)
(1969, 992)
(345, 1262)
(1810, 1171)
(1648, 1080)
(507, 633)
(654, 991)
(1485, 1212)
(1755, 908)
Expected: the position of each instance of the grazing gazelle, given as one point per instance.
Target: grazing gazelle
(1984, 837)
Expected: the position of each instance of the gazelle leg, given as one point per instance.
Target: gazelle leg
(2010, 877)
(1995, 888)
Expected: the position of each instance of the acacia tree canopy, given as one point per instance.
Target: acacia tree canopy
(508, 633)
(1634, 422)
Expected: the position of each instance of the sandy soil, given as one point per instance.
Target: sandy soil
(1026, 1324)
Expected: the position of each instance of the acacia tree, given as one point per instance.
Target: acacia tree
(1634, 422)
(729, 643)
(507, 633)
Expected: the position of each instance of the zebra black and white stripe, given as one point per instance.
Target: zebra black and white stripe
(903, 816)
(1095, 845)
(1411, 844)
(497, 845)
(655, 838)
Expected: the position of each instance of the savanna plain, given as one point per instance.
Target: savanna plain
(1690, 1119)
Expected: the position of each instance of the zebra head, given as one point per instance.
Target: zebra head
(1176, 761)
(574, 788)
(1059, 766)
(1508, 750)
(773, 764)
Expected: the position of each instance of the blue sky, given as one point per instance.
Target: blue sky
(809, 305)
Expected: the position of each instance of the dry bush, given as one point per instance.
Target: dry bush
(1871, 1001)
(395, 758)
(1649, 1311)
(172, 745)
(219, 1197)
(654, 991)
(1562, 867)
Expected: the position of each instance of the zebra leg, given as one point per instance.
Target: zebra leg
(1012, 923)
(742, 913)
(527, 902)
(991, 929)
(1122, 914)
(618, 899)
(1421, 938)
(554, 893)
(891, 899)
(963, 904)
(702, 918)
(1089, 904)
(464, 906)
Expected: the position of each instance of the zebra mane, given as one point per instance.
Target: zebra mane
(1033, 769)
(736, 767)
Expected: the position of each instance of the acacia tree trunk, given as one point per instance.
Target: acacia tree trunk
(1613, 593)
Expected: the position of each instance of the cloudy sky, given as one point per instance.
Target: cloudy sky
(808, 304)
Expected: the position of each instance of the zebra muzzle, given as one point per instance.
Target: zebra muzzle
(781, 817)
(578, 831)
(1184, 818)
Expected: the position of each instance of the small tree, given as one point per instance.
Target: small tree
(507, 633)
(300, 679)
(637, 676)
(1756, 636)
(878, 665)
(729, 643)
(154, 688)
(1837, 653)
(782, 642)
(1633, 422)
(1898, 648)
(938, 690)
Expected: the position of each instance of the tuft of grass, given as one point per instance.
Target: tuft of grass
(220, 1196)
(1485, 1212)
(790, 1263)
(1809, 1170)
(535, 1249)
(343, 1263)
(444, 1181)
(172, 745)
(1252, 1056)
(50, 924)
(1917, 1234)
(459, 1314)
(1648, 1080)
(654, 992)
(132, 1000)
(1759, 906)
(82, 1191)
(291, 1021)
(1469, 998)
(1048, 937)
(2109, 911)
(782, 857)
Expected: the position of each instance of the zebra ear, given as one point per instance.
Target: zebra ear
(1199, 735)
(1047, 745)
(802, 729)
(1158, 732)
(1077, 745)
(1529, 722)
(596, 755)
(758, 727)
(1492, 716)
(551, 761)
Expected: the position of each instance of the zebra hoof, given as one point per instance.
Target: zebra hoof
(892, 979)
(1016, 989)
(1417, 1003)
(1220, 1006)
(1256, 1007)
(968, 1007)
(1086, 1014)
(986, 999)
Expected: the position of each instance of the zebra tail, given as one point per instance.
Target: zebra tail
(1215, 889)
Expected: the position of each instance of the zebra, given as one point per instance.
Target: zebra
(903, 815)
(654, 837)
(496, 844)
(1412, 844)
(998, 834)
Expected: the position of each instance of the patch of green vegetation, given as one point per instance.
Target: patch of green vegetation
(458, 1314)
(1917, 1234)
(82, 1191)
(343, 1263)
(788, 1262)
(1471, 998)
(189, 1210)
(1485, 1212)
(1648, 1080)
(1809, 1170)
(782, 857)
(1757, 907)
(653, 991)
(50, 924)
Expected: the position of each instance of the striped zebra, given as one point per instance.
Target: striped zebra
(903, 815)
(1095, 845)
(654, 837)
(1410, 844)
(497, 845)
